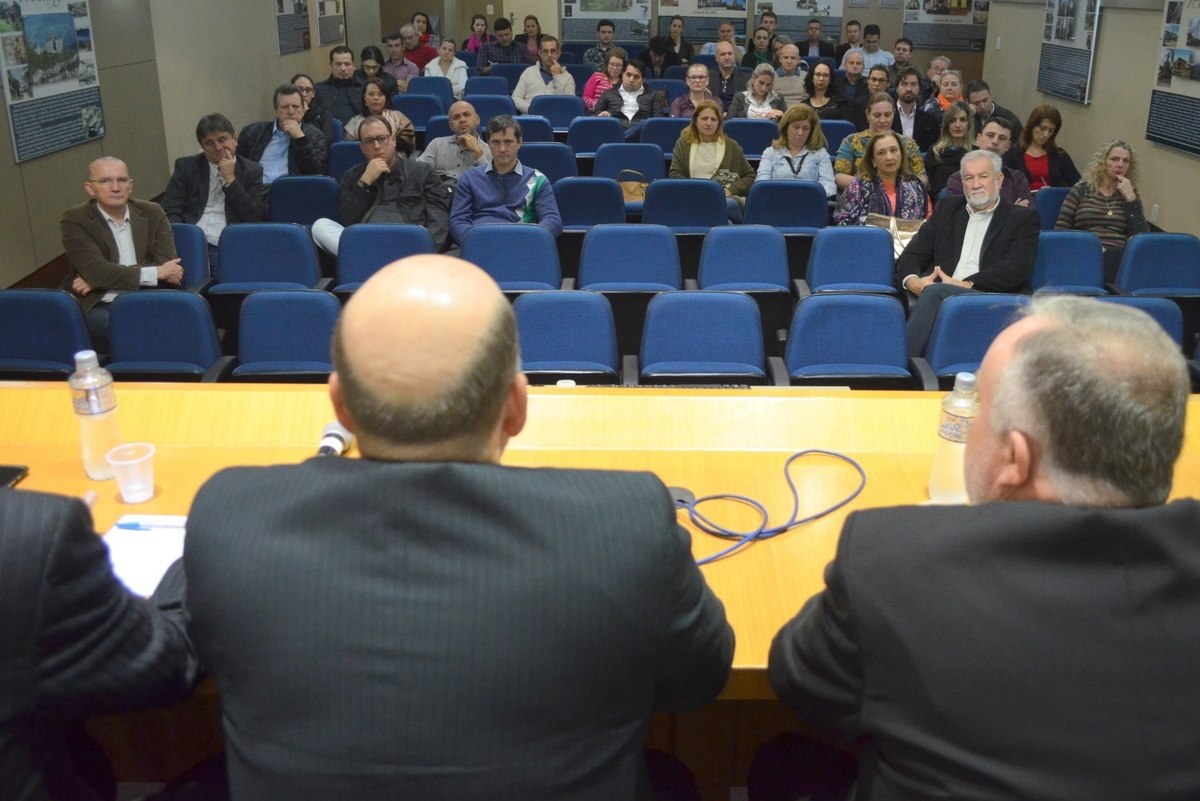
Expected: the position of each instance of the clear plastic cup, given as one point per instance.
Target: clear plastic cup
(133, 466)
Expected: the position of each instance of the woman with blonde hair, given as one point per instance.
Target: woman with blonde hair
(949, 90)
(955, 142)
(758, 100)
(1106, 203)
(885, 185)
(704, 151)
(799, 154)
(1038, 154)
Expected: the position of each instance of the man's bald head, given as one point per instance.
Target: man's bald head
(426, 363)
(99, 164)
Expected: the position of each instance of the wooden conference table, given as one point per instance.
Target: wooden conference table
(709, 441)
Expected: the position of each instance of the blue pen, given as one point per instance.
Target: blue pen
(144, 527)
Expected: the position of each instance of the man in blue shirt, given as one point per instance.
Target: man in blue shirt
(285, 145)
(504, 191)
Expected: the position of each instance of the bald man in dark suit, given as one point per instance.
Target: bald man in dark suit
(425, 622)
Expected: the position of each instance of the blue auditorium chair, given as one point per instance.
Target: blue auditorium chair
(559, 109)
(685, 205)
(584, 202)
(794, 207)
(485, 85)
(509, 72)
(488, 106)
(41, 330)
(343, 156)
(964, 329)
(851, 259)
(699, 337)
(436, 85)
(192, 246)
(750, 259)
(1069, 262)
(553, 159)
(302, 199)
(165, 335)
(629, 264)
(1049, 200)
(835, 131)
(534, 128)
(567, 335)
(419, 108)
(587, 134)
(285, 337)
(366, 247)
(520, 258)
(852, 340)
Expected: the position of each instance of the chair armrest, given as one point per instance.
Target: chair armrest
(777, 373)
(220, 370)
(690, 283)
(324, 284)
(629, 370)
(923, 373)
(201, 287)
(1114, 289)
(568, 283)
(801, 288)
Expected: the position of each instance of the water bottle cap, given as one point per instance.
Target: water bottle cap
(964, 382)
(86, 360)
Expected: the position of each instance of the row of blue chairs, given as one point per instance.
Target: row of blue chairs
(169, 335)
(698, 337)
(710, 338)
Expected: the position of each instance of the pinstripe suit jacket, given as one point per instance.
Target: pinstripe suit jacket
(73, 641)
(386, 630)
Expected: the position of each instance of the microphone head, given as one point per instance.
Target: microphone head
(336, 439)
(336, 429)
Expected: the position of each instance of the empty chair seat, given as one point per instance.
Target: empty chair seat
(41, 330)
(437, 127)
(256, 256)
(852, 340)
(192, 247)
(553, 159)
(584, 202)
(751, 259)
(794, 207)
(671, 87)
(519, 258)
(343, 156)
(302, 199)
(419, 108)
(559, 109)
(510, 73)
(586, 134)
(567, 335)
(485, 85)
(488, 106)
(685, 205)
(835, 131)
(664, 132)
(365, 248)
(535, 129)
(702, 337)
(165, 335)
(1164, 311)
(851, 259)
(1049, 200)
(1161, 264)
(964, 329)
(436, 85)
(286, 336)
(1069, 262)
(753, 135)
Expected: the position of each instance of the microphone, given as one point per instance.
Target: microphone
(336, 439)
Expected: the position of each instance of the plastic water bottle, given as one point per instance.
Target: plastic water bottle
(96, 407)
(947, 483)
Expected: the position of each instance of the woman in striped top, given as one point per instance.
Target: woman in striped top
(1106, 203)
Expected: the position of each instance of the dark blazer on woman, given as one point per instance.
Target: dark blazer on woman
(1062, 169)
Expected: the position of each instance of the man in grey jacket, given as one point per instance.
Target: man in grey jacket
(387, 189)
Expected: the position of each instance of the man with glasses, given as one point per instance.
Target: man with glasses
(113, 244)
(285, 145)
(387, 189)
(547, 77)
(697, 83)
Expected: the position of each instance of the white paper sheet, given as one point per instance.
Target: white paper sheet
(140, 556)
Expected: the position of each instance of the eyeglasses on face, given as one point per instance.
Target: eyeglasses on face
(374, 141)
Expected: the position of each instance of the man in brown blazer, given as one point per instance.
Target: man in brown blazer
(115, 243)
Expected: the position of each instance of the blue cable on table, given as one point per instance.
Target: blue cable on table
(762, 532)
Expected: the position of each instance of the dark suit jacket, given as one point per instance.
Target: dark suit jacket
(187, 191)
(1007, 651)
(445, 630)
(926, 129)
(92, 251)
(651, 103)
(1009, 247)
(306, 155)
(738, 81)
(73, 642)
(826, 48)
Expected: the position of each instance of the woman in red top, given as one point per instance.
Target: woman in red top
(1038, 155)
